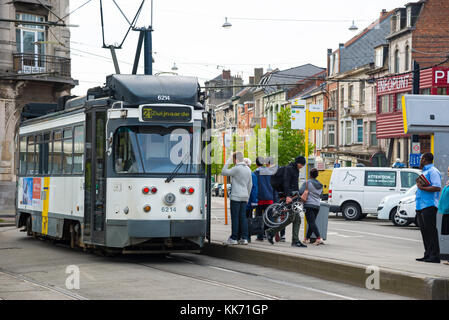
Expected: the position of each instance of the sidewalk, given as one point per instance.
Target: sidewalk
(7, 218)
(348, 251)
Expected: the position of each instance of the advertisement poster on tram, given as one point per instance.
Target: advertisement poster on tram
(27, 194)
(36, 192)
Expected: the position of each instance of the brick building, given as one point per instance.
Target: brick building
(418, 33)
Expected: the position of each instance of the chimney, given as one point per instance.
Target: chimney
(258, 73)
(329, 52)
(383, 12)
(226, 74)
(251, 80)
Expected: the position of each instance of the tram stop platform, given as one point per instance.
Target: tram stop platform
(354, 253)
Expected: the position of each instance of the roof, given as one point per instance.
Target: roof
(359, 50)
(291, 75)
(140, 89)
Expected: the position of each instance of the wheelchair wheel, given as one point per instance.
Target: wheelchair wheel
(275, 215)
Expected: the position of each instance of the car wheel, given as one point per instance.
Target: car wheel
(399, 222)
(351, 211)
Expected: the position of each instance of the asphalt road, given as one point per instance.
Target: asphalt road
(37, 269)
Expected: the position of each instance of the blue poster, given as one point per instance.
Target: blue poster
(415, 159)
(27, 197)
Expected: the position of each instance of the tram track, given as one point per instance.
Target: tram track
(42, 285)
(239, 288)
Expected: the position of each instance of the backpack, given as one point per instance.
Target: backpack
(277, 179)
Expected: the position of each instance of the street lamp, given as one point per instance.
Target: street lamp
(174, 68)
(353, 27)
(227, 24)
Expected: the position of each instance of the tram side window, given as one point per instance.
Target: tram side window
(43, 151)
(56, 153)
(125, 161)
(67, 157)
(37, 154)
(78, 150)
(30, 155)
(22, 155)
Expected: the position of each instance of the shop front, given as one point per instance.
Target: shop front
(390, 90)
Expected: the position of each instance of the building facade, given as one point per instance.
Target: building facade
(418, 34)
(34, 67)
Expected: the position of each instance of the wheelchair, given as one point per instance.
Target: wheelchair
(277, 213)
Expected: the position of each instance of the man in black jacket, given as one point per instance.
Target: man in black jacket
(290, 185)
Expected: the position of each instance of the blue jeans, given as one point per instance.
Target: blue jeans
(239, 220)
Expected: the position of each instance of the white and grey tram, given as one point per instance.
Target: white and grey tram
(120, 169)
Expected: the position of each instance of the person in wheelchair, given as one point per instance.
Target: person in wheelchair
(290, 191)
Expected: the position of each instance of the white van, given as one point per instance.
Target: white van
(357, 191)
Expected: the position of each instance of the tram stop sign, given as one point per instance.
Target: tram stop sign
(414, 160)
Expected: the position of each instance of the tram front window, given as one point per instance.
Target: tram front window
(154, 149)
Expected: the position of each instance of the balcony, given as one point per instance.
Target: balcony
(255, 121)
(49, 67)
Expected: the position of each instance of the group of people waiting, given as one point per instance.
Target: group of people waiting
(253, 191)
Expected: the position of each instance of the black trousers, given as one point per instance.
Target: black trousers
(427, 219)
(311, 214)
(259, 212)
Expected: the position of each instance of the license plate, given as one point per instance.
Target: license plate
(168, 209)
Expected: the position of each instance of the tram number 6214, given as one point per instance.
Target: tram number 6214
(168, 209)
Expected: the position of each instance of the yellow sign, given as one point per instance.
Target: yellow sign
(315, 117)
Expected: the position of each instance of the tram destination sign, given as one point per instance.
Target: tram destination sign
(168, 114)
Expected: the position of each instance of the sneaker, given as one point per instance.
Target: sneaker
(282, 239)
(243, 241)
(306, 241)
(232, 242)
(259, 239)
(269, 237)
(299, 244)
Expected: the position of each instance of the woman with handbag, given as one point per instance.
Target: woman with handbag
(311, 192)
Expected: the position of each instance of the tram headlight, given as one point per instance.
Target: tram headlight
(147, 208)
(189, 208)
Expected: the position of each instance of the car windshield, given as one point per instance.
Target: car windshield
(156, 149)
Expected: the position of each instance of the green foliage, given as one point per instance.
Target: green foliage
(291, 143)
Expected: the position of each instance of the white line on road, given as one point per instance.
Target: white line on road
(378, 235)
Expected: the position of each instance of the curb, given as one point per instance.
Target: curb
(390, 281)
(5, 224)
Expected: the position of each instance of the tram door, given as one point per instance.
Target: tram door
(95, 178)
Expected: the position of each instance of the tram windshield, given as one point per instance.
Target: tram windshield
(156, 149)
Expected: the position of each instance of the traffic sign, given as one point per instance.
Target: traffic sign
(337, 165)
(298, 117)
(416, 147)
(414, 160)
(315, 118)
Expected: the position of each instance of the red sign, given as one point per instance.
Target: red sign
(440, 77)
(36, 188)
(394, 84)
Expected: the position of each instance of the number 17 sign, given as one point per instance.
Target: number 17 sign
(315, 117)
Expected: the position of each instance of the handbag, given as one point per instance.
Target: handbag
(305, 194)
(255, 226)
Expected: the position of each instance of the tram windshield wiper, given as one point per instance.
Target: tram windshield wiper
(175, 171)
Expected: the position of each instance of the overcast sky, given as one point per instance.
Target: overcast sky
(190, 34)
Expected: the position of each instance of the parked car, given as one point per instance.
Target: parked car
(221, 191)
(407, 210)
(216, 189)
(357, 191)
(388, 207)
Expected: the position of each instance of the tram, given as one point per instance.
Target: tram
(120, 169)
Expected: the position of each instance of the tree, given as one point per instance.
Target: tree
(291, 143)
